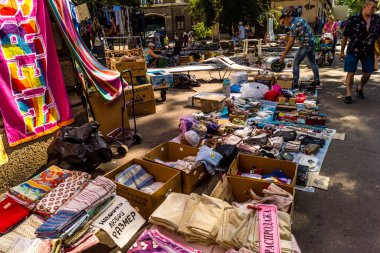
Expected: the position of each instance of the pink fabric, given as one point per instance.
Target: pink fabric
(33, 98)
(331, 28)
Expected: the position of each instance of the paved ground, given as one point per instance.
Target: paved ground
(346, 218)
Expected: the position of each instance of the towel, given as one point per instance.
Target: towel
(135, 177)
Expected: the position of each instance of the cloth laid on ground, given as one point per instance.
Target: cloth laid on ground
(26, 245)
(169, 213)
(209, 158)
(63, 192)
(11, 213)
(106, 81)
(134, 177)
(36, 188)
(33, 97)
(152, 241)
(24, 229)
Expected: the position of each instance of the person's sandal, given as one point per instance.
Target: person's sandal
(360, 93)
(348, 100)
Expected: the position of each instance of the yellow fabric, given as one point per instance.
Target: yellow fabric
(3, 154)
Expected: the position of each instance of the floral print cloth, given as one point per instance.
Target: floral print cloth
(301, 30)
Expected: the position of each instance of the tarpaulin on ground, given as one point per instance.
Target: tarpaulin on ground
(106, 81)
(33, 98)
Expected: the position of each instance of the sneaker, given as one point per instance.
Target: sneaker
(360, 93)
(348, 100)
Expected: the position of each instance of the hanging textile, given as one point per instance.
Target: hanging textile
(106, 81)
(33, 98)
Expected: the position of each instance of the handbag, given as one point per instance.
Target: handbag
(288, 135)
(311, 149)
(229, 152)
(306, 139)
(276, 142)
(292, 146)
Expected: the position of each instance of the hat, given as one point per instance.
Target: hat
(240, 23)
(192, 138)
(150, 44)
(162, 28)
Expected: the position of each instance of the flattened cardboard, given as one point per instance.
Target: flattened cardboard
(232, 188)
(245, 163)
(171, 152)
(145, 203)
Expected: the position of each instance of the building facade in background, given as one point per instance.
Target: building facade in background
(174, 15)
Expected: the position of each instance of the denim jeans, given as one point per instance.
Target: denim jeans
(300, 56)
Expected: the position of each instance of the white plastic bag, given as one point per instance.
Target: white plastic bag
(253, 90)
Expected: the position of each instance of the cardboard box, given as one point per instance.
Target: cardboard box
(285, 81)
(172, 152)
(137, 68)
(160, 79)
(195, 101)
(268, 81)
(108, 114)
(232, 188)
(245, 163)
(212, 104)
(143, 202)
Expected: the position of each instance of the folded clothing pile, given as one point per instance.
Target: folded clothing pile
(11, 213)
(186, 165)
(209, 158)
(137, 178)
(33, 190)
(74, 213)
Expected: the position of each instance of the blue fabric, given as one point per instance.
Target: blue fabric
(301, 30)
(236, 88)
(209, 158)
(135, 177)
(300, 56)
(351, 63)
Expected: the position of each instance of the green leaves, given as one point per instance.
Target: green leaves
(202, 31)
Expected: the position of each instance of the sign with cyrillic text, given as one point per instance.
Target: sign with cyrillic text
(268, 229)
(121, 221)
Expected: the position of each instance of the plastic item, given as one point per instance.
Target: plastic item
(253, 90)
(226, 88)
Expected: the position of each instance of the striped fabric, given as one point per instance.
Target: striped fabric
(106, 81)
(135, 177)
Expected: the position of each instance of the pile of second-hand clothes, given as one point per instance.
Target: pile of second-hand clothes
(206, 220)
(54, 211)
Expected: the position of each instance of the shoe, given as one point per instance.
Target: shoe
(360, 93)
(348, 100)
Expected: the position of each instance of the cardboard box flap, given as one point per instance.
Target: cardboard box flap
(215, 98)
(171, 152)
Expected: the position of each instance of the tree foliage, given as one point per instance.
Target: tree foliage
(202, 31)
(354, 6)
(229, 13)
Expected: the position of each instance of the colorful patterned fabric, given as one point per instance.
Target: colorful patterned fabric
(25, 229)
(33, 98)
(59, 195)
(106, 81)
(152, 241)
(11, 213)
(36, 188)
(301, 30)
(135, 177)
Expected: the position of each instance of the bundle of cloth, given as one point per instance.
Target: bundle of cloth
(137, 178)
(76, 212)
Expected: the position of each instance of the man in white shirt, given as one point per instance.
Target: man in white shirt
(241, 31)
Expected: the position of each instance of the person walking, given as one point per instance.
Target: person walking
(361, 31)
(332, 27)
(241, 35)
(300, 30)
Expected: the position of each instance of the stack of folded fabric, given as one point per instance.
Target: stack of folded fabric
(11, 213)
(26, 245)
(72, 185)
(74, 213)
(186, 165)
(169, 213)
(25, 229)
(137, 178)
(33, 190)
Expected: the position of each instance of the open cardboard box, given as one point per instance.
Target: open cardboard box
(143, 202)
(212, 104)
(172, 152)
(232, 188)
(245, 163)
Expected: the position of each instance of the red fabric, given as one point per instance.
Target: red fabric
(301, 98)
(11, 213)
(271, 95)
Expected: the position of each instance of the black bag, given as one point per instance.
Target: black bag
(306, 139)
(229, 152)
(287, 135)
(184, 81)
(79, 148)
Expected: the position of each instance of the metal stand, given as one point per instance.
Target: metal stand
(124, 135)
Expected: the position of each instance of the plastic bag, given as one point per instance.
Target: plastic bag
(253, 90)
